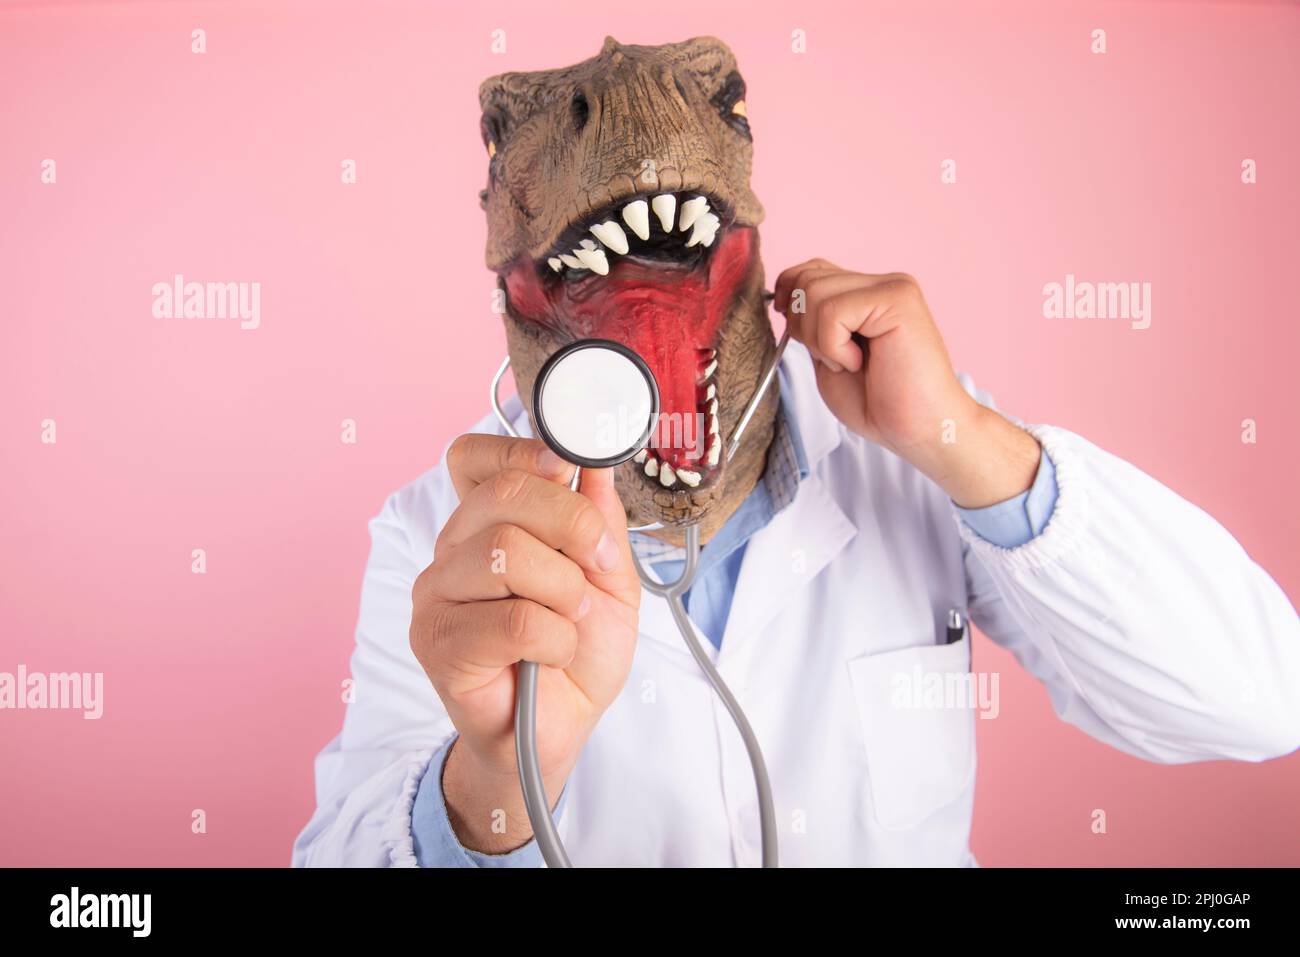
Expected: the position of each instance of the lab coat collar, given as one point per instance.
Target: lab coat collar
(807, 535)
(819, 430)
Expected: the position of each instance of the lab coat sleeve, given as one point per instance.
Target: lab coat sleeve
(368, 776)
(1150, 626)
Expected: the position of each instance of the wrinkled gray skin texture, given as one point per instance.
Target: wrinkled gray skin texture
(655, 120)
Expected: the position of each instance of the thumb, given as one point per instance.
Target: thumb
(598, 486)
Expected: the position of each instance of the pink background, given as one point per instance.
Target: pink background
(175, 435)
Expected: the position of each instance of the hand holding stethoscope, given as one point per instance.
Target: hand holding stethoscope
(523, 568)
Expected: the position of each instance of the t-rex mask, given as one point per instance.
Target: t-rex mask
(619, 207)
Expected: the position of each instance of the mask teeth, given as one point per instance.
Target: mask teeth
(665, 473)
(691, 222)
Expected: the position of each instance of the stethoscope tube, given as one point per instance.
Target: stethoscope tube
(530, 774)
(530, 771)
(673, 594)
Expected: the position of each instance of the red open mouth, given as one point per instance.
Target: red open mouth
(662, 289)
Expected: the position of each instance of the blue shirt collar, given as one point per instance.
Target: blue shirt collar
(787, 466)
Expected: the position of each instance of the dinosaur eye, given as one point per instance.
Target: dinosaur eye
(730, 101)
(491, 127)
(580, 110)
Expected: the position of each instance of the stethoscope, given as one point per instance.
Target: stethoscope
(580, 392)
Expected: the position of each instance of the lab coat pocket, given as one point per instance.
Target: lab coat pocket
(915, 709)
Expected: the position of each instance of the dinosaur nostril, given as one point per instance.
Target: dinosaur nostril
(580, 110)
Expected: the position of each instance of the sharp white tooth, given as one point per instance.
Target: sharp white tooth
(611, 235)
(639, 457)
(690, 478)
(554, 263)
(715, 451)
(586, 244)
(706, 227)
(692, 210)
(665, 208)
(637, 216)
(713, 425)
(593, 259)
(570, 261)
(711, 368)
(713, 407)
(652, 466)
(713, 390)
(666, 475)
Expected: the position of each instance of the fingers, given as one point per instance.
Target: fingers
(473, 458)
(504, 561)
(788, 281)
(491, 635)
(800, 290)
(872, 311)
(546, 510)
(837, 304)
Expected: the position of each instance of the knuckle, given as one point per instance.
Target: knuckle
(520, 454)
(443, 544)
(505, 541)
(426, 590)
(521, 621)
(508, 484)
(425, 633)
(420, 585)
(458, 452)
(586, 524)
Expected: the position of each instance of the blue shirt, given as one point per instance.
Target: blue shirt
(1008, 524)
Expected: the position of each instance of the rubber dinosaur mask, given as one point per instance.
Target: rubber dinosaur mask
(619, 207)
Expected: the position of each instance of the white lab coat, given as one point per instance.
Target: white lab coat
(1151, 628)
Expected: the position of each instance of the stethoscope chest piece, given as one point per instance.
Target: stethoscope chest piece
(595, 403)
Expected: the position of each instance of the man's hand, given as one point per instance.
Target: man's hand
(903, 393)
(524, 569)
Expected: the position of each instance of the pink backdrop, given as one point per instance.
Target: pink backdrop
(174, 435)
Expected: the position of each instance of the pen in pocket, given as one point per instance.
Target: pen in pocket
(956, 626)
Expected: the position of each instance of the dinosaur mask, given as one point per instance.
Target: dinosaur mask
(619, 207)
